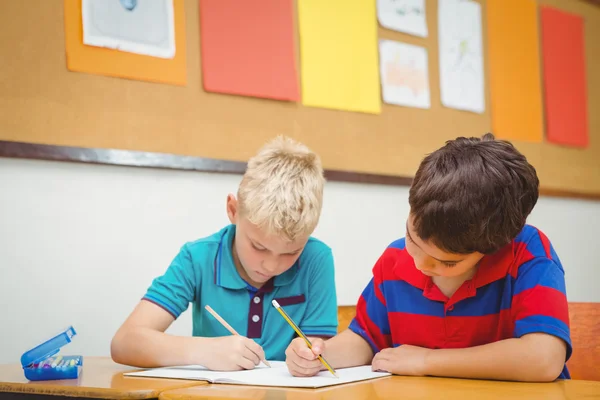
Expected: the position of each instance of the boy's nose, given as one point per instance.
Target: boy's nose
(425, 265)
(270, 266)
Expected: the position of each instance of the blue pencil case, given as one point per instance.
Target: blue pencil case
(43, 364)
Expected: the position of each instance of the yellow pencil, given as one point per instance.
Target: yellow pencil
(228, 327)
(302, 335)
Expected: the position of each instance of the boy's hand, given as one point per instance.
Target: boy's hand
(402, 360)
(233, 353)
(302, 361)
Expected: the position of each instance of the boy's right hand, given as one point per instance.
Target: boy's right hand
(233, 353)
(302, 361)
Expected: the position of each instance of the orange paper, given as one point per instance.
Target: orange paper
(565, 84)
(103, 61)
(515, 82)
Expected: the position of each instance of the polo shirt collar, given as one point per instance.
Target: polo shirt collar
(495, 266)
(491, 268)
(227, 275)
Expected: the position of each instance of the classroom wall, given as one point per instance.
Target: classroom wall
(80, 243)
(42, 102)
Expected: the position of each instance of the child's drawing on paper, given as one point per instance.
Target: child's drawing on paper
(129, 4)
(141, 27)
(461, 55)
(404, 74)
(406, 16)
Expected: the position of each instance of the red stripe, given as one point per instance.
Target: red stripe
(378, 276)
(371, 328)
(523, 255)
(417, 330)
(541, 300)
(450, 332)
(378, 293)
(546, 244)
(475, 331)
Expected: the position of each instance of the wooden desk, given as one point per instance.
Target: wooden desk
(399, 388)
(100, 378)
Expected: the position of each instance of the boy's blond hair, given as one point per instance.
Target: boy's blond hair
(282, 189)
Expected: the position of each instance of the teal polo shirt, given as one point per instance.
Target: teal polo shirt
(204, 273)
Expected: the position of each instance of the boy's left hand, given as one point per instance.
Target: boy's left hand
(402, 360)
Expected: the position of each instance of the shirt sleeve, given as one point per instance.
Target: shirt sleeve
(539, 302)
(174, 290)
(321, 309)
(371, 320)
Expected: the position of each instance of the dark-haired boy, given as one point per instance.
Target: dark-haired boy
(472, 291)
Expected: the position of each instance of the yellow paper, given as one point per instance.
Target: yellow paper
(515, 84)
(339, 60)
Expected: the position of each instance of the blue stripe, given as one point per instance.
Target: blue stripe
(320, 333)
(540, 271)
(376, 311)
(355, 327)
(544, 324)
(564, 374)
(168, 307)
(397, 244)
(405, 298)
(531, 236)
(555, 257)
(219, 252)
(490, 299)
(525, 234)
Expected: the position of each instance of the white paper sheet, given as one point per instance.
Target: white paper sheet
(278, 375)
(404, 74)
(461, 55)
(144, 27)
(406, 16)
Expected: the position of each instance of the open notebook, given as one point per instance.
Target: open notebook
(278, 375)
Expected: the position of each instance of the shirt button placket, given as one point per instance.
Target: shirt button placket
(255, 316)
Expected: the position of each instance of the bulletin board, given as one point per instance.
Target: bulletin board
(42, 102)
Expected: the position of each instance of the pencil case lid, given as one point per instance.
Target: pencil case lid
(48, 348)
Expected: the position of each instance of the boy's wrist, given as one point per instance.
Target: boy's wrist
(428, 362)
(198, 353)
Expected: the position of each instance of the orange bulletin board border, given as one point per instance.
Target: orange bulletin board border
(109, 62)
(9, 149)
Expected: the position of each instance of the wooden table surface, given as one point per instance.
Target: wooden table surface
(100, 378)
(399, 388)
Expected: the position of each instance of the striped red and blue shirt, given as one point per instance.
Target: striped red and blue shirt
(516, 291)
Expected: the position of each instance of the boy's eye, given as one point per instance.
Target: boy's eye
(258, 248)
(450, 265)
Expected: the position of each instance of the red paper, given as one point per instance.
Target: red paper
(565, 83)
(248, 48)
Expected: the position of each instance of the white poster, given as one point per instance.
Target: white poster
(461, 55)
(136, 26)
(404, 74)
(406, 16)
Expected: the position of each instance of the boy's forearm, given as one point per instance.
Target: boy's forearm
(147, 348)
(347, 349)
(511, 359)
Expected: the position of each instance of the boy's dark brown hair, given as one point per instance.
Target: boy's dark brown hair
(473, 195)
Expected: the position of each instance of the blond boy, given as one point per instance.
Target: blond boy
(266, 253)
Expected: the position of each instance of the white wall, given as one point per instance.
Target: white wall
(79, 244)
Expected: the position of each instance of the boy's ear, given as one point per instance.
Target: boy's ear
(232, 208)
